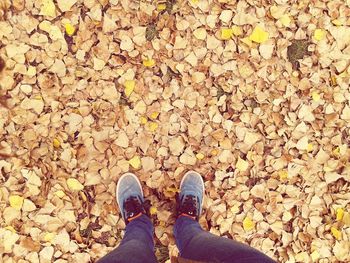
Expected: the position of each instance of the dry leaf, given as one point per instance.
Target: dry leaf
(48, 8)
(16, 201)
(74, 184)
(248, 224)
(135, 162)
(242, 165)
(259, 35)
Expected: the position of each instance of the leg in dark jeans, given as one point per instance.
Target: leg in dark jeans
(137, 245)
(196, 244)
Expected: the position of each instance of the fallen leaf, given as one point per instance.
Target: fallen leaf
(49, 236)
(176, 145)
(285, 20)
(149, 62)
(143, 120)
(70, 30)
(161, 7)
(99, 64)
(242, 165)
(153, 210)
(48, 8)
(56, 143)
(60, 193)
(237, 31)
(248, 224)
(259, 35)
(74, 184)
(315, 256)
(226, 33)
(135, 162)
(336, 233)
(16, 201)
(319, 34)
(66, 5)
(154, 115)
(283, 174)
(200, 33)
(200, 156)
(152, 126)
(310, 147)
(315, 96)
(129, 87)
(346, 218)
(340, 214)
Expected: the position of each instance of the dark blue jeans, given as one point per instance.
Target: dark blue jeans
(192, 241)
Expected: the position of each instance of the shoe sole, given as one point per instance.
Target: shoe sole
(118, 184)
(193, 172)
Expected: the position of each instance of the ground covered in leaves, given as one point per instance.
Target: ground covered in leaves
(252, 94)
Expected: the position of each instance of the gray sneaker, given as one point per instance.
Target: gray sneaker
(130, 197)
(191, 195)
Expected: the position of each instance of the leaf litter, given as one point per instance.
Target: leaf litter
(253, 97)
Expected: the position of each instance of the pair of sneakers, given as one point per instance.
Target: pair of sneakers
(131, 201)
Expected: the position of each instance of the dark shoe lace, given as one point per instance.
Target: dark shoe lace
(188, 206)
(132, 207)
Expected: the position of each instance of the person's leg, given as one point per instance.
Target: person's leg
(137, 245)
(196, 244)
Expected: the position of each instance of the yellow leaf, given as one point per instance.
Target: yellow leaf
(83, 196)
(129, 87)
(346, 218)
(149, 62)
(336, 152)
(309, 147)
(315, 96)
(154, 115)
(152, 126)
(60, 193)
(340, 214)
(200, 156)
(247, 41)
(285, 20)
(49, 236)
(153, 210)
(283, 174)
(143, 120)
(74, 184)
(11, 229)
(214, 152)
(56, 143)
(319, 34)
(336, 233)
(315, 256)
(16, 201)
(48, 8)
(333, 81)
(226, 33)
(242, 165)
(259, 35)
(248, 224)
(69, 29)
(135, 162)
(161, 7)
(236, 30)
(170, 192)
